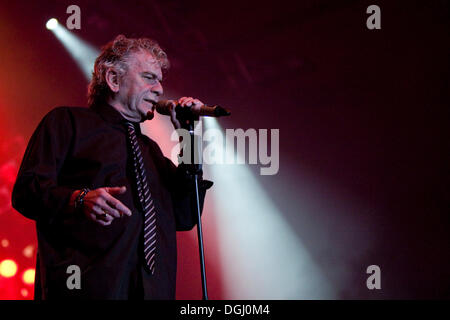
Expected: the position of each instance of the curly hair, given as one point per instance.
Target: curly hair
(115, 54)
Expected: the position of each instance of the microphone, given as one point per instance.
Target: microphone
(164, 107)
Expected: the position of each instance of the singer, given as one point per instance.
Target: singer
(103, 196)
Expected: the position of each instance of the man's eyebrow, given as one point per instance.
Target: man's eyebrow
(152, 74)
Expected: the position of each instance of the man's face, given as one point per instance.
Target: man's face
(140, 87)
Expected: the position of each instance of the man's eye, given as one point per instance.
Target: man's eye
(150, 77)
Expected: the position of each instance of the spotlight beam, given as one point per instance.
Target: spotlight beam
(83, 53)
(262, 256)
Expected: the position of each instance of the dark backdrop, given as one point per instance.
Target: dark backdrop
(364, 111)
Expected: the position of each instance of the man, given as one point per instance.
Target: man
(103, 196)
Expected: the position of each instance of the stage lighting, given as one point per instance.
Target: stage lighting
(8, 268)
(83, 53)
(28, 276)
(5, 243)
(262, 256)
(24, 292)
(51, 24)
(28, 251)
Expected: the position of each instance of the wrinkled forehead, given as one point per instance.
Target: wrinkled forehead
(144, 61)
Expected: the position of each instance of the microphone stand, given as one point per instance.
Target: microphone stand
(196, 169)
(187, 117)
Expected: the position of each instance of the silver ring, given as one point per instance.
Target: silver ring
(105, 214)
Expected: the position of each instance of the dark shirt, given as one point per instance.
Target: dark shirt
(73, 148)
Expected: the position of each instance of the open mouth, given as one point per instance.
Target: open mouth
(153, 102)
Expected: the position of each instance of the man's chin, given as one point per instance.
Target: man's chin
(150, 115)
(147, 112)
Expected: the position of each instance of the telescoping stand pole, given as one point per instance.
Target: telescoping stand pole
(196, 167)
(200, 243)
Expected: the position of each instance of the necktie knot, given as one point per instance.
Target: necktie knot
(130, 126)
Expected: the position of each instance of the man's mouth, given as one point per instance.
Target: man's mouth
(153, 102)
(150, 113)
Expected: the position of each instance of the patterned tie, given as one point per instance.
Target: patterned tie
(145, 199)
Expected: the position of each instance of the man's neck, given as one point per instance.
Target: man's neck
(122, 110)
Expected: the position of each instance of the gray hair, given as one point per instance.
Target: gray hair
(115, 54)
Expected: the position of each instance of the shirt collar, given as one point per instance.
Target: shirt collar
(112, 116)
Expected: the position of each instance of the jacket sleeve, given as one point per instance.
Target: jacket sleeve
(184, 196)
(36, 193)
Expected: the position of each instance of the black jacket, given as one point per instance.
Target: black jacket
(75, 147)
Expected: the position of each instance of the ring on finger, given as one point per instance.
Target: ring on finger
(103, 215)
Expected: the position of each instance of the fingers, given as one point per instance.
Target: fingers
(103, 223)
(113, 205)
(185, 101)
(101, 216)
(193, 103)
(101, 207)
(173, 115)
(105, 217)
(176, 123)
(116, 190)
(189, 101)
(94, 218)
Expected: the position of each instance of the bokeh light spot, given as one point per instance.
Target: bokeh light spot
(8, 268)
(28, 276)
(5, 243)
(28, 251)
(24, 292)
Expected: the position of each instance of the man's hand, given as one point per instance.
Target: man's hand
(100, 205)
(183, 102)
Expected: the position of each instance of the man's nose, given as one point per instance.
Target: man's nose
(157, 89)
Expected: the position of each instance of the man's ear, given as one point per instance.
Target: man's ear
(112, 79)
